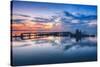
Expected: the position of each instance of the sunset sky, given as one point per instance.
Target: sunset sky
(51, 17)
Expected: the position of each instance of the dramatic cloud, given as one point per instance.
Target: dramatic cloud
(17, 21)
(39, 19)
(81, 16)
(22, 15)
(78, 18)
(64, 21)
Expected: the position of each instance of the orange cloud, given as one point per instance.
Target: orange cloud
(32, 26)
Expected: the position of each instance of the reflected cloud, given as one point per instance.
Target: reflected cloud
(65, 43)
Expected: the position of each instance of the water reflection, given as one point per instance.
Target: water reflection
(54, 50)
(54, 41)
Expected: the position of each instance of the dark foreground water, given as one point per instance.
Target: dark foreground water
(53, 50)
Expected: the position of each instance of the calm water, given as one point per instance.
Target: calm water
(54, 50)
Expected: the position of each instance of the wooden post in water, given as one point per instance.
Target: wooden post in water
(21, 36)
(29, 35)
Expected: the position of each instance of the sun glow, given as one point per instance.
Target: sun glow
(48, 26)
(29, 24)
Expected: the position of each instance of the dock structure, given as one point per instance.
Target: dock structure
(78, 35)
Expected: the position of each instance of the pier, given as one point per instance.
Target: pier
(78, 35)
